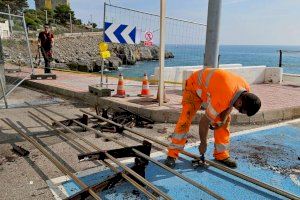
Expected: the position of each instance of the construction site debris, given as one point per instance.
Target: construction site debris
(19, 150)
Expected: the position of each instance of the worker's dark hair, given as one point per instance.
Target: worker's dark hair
(47, 24)
(250, 103)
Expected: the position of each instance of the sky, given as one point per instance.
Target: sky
(243, 22)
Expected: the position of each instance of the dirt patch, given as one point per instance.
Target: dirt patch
(275, 157)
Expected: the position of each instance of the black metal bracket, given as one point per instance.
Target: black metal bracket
(139, 167)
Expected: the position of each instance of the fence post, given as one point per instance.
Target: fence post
(280, 58)
(162, 51)
(9, 20)
(2, 75)
(28, 44)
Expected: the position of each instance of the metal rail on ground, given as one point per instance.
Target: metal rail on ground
(194, 183)
(211, 163)
(127, 169)
(130, 180)
(60, 166)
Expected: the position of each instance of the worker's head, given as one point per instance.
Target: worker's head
(47, 27)
(248, 103)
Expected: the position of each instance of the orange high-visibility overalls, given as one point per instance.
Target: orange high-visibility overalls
(214, 90)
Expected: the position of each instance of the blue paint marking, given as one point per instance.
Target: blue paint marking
(267, 155)
(106, 26)
(118, 32)
(132, 34)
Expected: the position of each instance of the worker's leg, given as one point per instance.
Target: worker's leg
(190, 105)
(221, 135)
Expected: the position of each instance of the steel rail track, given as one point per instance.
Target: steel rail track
(60, 166)
(127, 169)
(211, 163)
(194, 183)
(130, 180)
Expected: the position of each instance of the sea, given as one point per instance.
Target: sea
(247, 55)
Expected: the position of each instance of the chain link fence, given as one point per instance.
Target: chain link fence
(17, 58)
(184, 39)
(290, 60)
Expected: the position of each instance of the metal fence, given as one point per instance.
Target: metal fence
(18, 63)
(290, 60)
(184, 39)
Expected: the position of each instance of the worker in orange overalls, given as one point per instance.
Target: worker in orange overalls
(217, 91)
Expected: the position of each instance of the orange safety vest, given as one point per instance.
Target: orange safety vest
(218, 90)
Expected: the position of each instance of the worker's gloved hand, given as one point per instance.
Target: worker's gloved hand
(202, 148)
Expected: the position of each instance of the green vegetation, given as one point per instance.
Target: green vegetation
(16, 6)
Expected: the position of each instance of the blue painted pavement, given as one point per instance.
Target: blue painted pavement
(268, 155)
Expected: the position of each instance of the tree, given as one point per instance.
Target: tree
(16, 6)
(62, 14)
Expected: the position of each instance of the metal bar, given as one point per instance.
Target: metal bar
(280, 58)
(9, 16)
(3, 13)
(130, 180)
(52, 159)
(150, 159)
(147, 13)
(28, 44)
(212, 163)
(102, 63)
(3, 90)
(150, 185)
(154, 161)
(10, 91)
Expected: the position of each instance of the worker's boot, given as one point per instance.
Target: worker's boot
(170, 162)
(228, 162)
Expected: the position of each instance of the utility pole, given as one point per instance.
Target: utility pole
(9, 20)
(71, 25)
(46, 16)
(162, 51)
(212, 34)
(92, 23)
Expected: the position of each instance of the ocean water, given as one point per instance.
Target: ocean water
(247, 55)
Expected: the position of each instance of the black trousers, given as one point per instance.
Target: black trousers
(47, 58)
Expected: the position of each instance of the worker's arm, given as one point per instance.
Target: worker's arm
(203, 132)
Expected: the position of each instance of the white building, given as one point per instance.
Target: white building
(4, 29)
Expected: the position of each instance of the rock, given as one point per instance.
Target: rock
(114, 63)
(60, 66)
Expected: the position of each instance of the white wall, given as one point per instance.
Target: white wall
(175, 74)
(252, 74)
(4, 30)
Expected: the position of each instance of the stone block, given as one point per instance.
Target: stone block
(288, 113)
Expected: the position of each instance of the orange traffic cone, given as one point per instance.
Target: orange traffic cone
(120, 89)
(145, 87)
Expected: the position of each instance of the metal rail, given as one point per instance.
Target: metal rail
(130, 180)
(61, 167)
(211, 163)
(194, 183)
(130, 171)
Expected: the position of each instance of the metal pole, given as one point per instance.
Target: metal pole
(71, 25)
(280, 58)
(92, 23)
(28, 44)
(102, 65)
(212, 34)
(60, 166)
(3, 90)
(211, 163)
(9, 20)
(46, 16)
(162, 51)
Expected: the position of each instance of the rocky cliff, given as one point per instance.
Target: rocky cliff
(80, 52)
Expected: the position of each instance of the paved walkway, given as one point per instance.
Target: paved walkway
(278, 101)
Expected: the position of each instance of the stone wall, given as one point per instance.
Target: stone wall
(80, 52)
